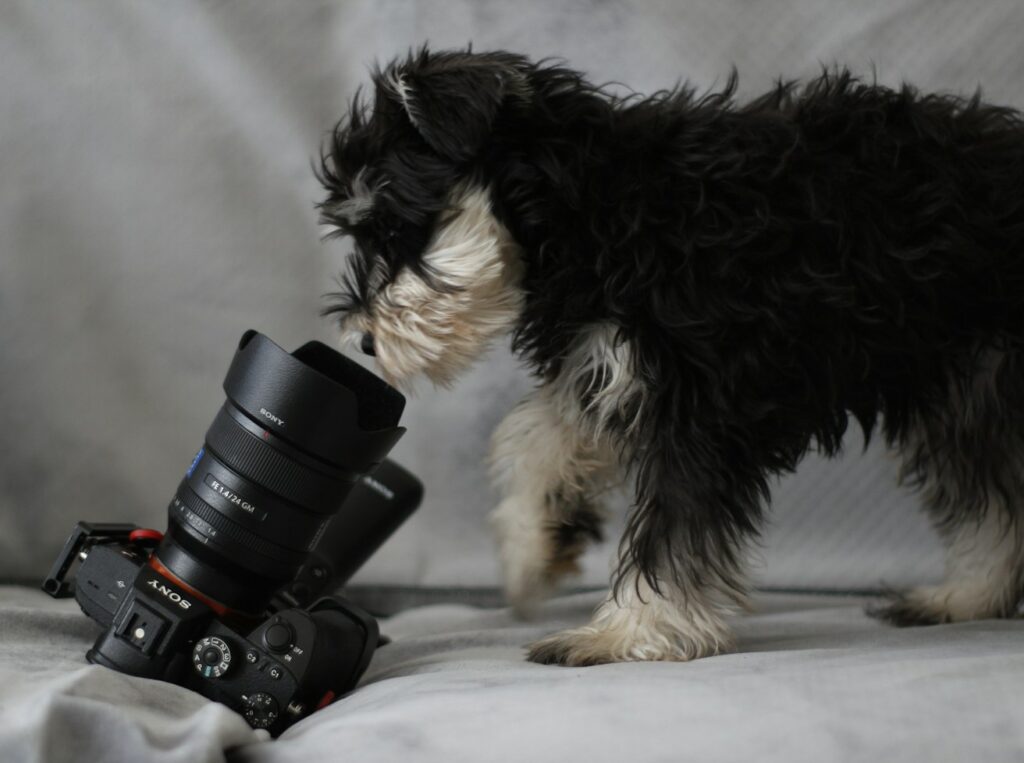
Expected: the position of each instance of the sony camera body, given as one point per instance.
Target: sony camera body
(288, 496)
(273, 672)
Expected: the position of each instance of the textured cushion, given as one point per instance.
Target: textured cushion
(813, 679)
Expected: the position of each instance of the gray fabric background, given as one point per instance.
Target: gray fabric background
(156, 200)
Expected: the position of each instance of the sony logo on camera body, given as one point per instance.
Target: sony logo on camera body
(171, 594)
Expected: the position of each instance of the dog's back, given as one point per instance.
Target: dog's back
(840, 247)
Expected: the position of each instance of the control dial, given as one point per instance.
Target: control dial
(211, 657)
(259, 709)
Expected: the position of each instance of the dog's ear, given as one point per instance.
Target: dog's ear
(452, 99)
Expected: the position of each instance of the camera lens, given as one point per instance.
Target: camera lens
(296, 432)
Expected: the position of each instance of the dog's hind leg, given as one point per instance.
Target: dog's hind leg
(969, 460)
(550, 475)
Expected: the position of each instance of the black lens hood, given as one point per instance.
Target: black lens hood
(317, 400)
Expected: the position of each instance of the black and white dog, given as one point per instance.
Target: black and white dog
(705, 290)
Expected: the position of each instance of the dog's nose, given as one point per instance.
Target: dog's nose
(366, 344)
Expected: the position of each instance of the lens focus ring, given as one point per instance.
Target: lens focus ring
(258, 461)
(234, 532)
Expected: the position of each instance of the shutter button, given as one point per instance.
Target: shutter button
(278, 637)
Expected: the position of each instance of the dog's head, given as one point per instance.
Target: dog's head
(434, 276)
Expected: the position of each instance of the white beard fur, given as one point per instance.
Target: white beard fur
(438, 333)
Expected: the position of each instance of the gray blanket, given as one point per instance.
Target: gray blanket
(814, 680)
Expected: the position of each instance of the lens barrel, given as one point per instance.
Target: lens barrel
(296, 432)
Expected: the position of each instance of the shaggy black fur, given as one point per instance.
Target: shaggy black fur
(776, 266)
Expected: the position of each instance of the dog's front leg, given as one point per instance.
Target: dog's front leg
(681, 566)
(549, 474)
(637, 623)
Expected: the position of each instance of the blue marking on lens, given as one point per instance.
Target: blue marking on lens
(195, 461)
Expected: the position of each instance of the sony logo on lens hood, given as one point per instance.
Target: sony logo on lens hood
(272, 417)
(336, 411)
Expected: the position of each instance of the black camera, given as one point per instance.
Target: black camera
(228, 601)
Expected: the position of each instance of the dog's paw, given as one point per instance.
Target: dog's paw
(949, 602)
(952, 601)
(579, 647)
(915, 607)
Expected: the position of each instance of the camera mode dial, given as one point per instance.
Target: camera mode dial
(211, 657)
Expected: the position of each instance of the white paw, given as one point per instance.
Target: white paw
(590, 645)
(639, 625)
(950, 602)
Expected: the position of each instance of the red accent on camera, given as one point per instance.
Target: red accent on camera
(325, 700)
(216, 606)
(144, 533)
